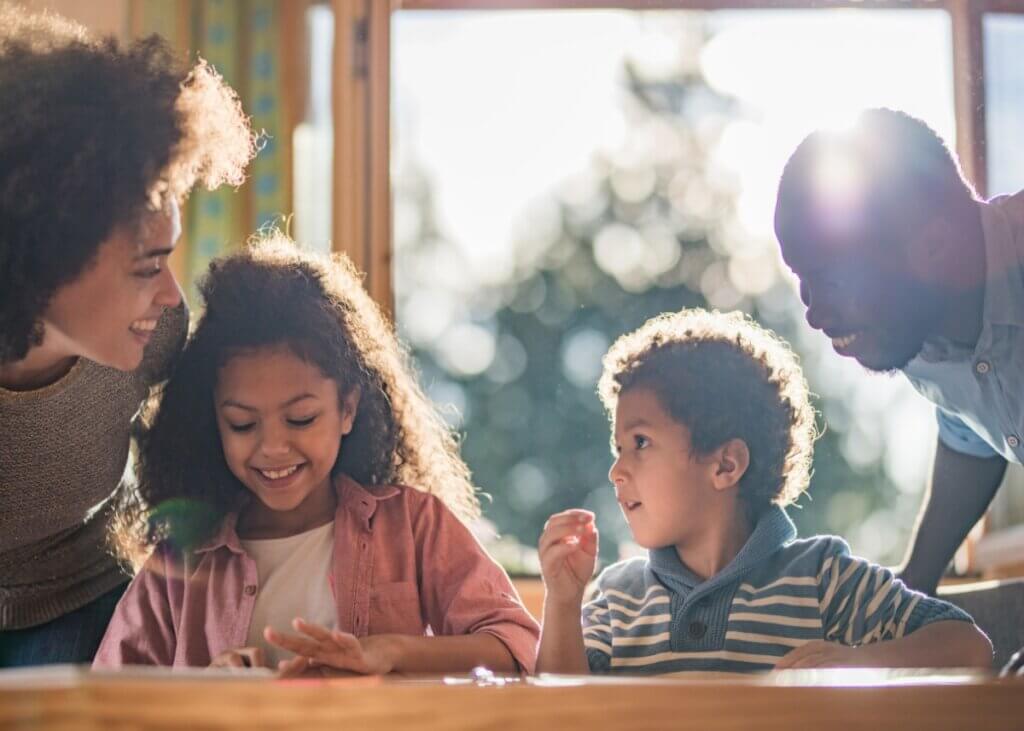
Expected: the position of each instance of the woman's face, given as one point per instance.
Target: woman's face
(109, 312)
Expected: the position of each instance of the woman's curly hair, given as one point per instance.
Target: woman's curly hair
(271, 294)
(94, 133)
(724, 377)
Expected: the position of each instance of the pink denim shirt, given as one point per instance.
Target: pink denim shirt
(402, 563)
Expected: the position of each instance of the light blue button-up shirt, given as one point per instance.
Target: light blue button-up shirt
(979, 392)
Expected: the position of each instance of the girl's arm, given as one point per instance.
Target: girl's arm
(466, 595)
(141, 631)
(410, 654)
(379, 654)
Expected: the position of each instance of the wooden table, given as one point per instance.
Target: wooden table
(69, 698)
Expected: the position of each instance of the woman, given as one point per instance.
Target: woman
(99, 142)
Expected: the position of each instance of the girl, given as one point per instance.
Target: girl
(272, 488)
(100, 142)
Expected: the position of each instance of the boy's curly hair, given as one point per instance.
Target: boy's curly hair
(94, 133)
(270, 294)
(724, 377)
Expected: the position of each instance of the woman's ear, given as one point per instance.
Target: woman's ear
(731, 462)
(349, 408)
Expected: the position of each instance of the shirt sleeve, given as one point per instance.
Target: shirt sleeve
(959, 437)
(597, 634)
(141, 631)
(465, 591)
(862, 602)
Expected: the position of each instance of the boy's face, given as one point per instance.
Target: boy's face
(662, 490)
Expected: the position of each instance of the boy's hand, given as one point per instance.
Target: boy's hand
(318, 646)
(242, 658)
(820, 654)
(568, 553)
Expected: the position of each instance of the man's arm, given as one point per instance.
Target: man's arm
(961, 489)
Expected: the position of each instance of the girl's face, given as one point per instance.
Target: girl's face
(281, 424)
(109, 312)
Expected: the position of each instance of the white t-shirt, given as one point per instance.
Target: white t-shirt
(295, 581)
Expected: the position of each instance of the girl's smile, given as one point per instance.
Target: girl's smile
(280, 478)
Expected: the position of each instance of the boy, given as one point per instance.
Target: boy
(713, 435)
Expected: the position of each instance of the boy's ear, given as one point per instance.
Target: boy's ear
(349, 408)
(731, 462)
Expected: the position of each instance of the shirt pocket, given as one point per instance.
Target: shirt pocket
(395, 608)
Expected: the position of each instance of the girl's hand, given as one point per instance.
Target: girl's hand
(242, 658)
(319, 646)
(820, 654)
(568, 553)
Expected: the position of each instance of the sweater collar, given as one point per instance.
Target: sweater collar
(774, 530)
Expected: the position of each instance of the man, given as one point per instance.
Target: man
(904, 268)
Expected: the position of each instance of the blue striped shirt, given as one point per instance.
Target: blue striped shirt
(653, 616)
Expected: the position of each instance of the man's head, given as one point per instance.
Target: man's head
(872, 220)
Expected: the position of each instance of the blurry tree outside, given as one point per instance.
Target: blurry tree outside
(649, 228)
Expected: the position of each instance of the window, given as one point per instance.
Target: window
(998, 551)
(511, 159)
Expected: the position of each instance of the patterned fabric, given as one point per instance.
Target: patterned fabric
(241, 39)
(653, 616)
(214, 216)
(268, 188)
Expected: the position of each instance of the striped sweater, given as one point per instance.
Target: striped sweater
(653, 616)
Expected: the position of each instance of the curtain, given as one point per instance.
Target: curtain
(242, 39)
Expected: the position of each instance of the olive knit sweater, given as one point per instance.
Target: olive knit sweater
(63, 452)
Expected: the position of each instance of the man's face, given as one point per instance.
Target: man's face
(864, 294)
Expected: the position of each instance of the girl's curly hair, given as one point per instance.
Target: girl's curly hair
(94, 133)
(270, 294)
(724, 377)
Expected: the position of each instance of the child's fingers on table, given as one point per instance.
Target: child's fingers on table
(799, 656)
(251, 657)
(228, 660)
(345, 640)
(293, 667)
(316, 631)
(296, 643)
